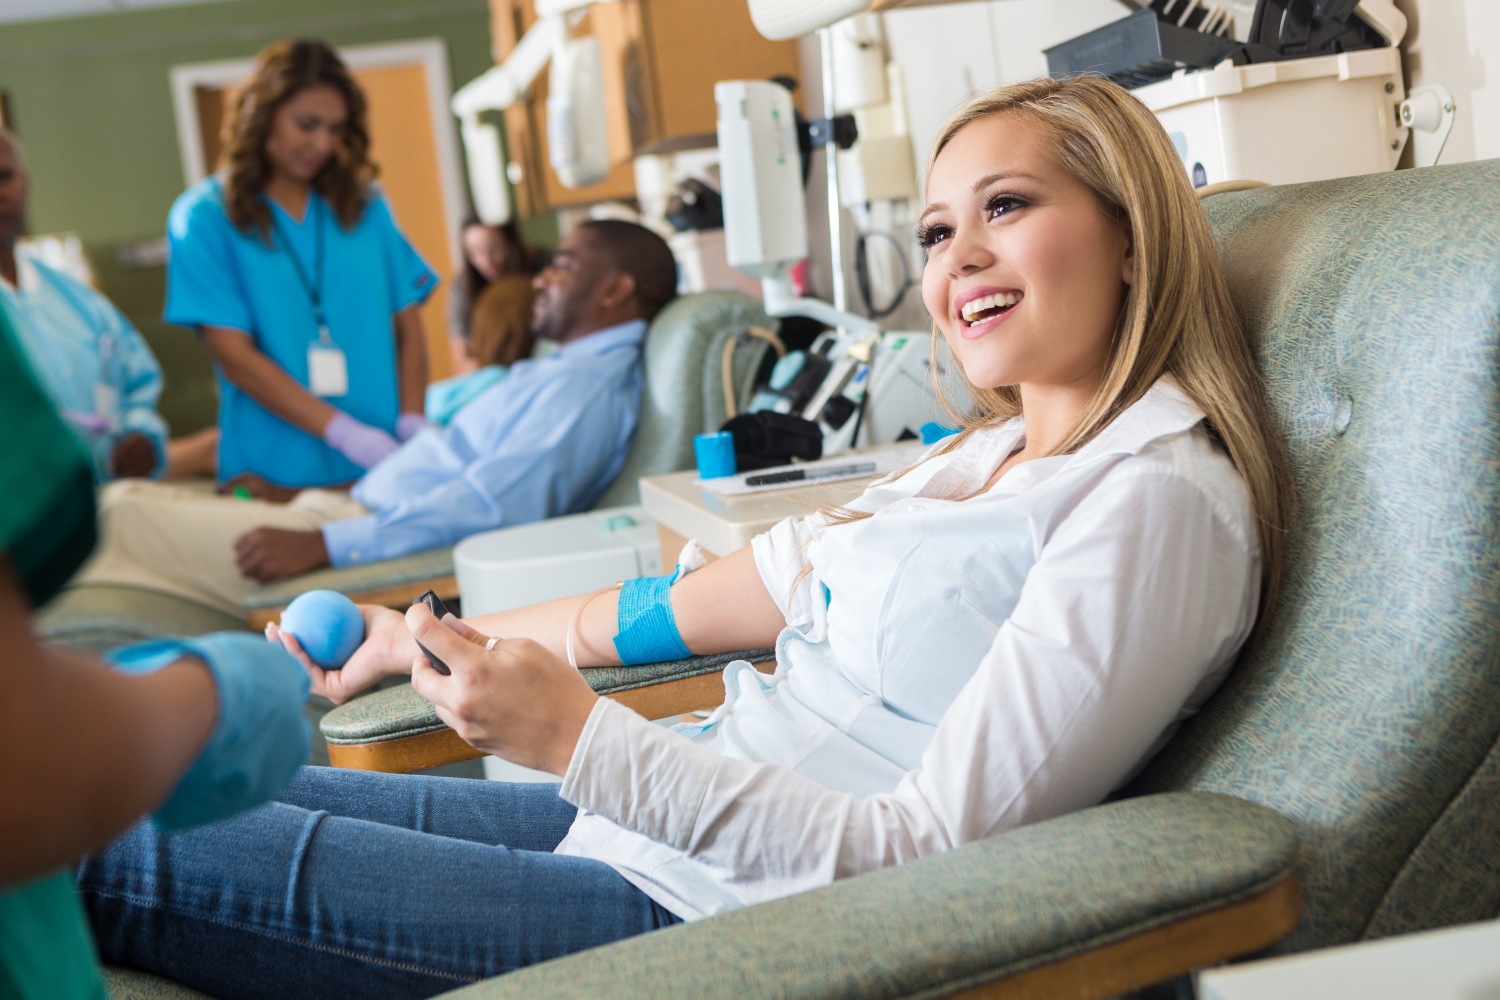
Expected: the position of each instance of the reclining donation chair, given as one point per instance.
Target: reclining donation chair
(1345, 782)
(685, 394)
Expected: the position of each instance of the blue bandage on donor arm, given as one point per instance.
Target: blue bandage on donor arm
(647, 629)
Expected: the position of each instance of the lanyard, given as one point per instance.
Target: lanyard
(314, 291)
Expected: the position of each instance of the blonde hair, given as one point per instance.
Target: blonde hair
(1177, 318)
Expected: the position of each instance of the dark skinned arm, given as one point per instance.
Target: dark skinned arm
(87, 750)
(269, 554)
(261, 488)
(133, 455)
(411, 359)
(266, 382)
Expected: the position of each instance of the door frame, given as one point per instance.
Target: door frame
(430, 53)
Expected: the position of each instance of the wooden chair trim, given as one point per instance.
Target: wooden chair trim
(443, 746)
(398, 596)
(1149, 957)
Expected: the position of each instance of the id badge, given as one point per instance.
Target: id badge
(327, 371)
(107, 404)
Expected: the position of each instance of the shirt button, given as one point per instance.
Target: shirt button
(354, 553)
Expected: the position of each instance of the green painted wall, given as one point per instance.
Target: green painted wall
(91, 100)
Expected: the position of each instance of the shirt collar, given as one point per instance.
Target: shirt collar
(1164, 410)
(27, 278)
(599, 342)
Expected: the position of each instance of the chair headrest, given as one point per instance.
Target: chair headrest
(683, 393)
(1372, 692)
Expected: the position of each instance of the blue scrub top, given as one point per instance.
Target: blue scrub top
(220, 276)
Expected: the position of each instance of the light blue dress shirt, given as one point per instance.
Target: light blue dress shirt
(546, 440)
(220, 276)
(91, 361)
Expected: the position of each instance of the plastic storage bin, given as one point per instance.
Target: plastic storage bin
(1285, 122)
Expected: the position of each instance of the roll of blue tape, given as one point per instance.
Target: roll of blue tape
(715, 454)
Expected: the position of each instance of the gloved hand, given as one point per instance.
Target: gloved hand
(362, 444)
(409, 425)
(261, 737)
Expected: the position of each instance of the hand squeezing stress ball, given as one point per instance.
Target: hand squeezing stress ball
(327, 625)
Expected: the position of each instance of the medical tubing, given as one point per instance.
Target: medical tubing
(647, 628)
(260, 737)
(573, 624)
(731, 404)
(862, 275)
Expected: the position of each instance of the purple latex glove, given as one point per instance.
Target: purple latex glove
(360, 443)
(409, 425)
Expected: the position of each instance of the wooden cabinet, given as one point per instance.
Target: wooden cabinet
(662, 58)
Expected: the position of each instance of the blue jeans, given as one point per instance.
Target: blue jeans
(363, 885)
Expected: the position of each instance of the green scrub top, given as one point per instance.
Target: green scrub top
(46, 528)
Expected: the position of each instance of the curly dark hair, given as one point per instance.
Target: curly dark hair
(281, 71)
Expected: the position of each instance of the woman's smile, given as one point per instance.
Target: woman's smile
(980, 310)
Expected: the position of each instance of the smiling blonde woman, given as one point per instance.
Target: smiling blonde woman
(1005, 632)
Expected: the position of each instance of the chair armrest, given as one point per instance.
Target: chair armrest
(1086, 905)
(394, 583)
(397, 730)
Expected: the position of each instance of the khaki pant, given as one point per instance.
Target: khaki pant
(180, 540)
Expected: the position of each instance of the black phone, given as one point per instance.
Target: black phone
(438, 609)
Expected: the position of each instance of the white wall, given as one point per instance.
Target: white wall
(951, 50)
(1457, 43)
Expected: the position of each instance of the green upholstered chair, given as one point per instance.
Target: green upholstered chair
(1354, 748)
(685, 394)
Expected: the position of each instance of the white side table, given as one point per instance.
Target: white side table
(1455, 963)
(723, 524)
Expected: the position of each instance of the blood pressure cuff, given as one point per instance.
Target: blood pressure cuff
(764, 438)
(260, 738)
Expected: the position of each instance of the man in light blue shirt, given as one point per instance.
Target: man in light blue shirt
(546, 440)
(93, 364)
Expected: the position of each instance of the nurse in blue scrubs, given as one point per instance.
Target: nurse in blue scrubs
(289, 264)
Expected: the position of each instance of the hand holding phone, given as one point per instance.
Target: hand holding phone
(436, 606)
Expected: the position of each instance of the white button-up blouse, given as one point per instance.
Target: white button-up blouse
(949, 668)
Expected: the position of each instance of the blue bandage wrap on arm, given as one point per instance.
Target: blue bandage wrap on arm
(647, 630)
(260, 738)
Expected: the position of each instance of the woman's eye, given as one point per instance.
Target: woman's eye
(1002, 204)
(930, 236)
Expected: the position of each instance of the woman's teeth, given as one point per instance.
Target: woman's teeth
(979, 310)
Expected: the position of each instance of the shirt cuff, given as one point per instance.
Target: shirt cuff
(642, 776)
(350, 542)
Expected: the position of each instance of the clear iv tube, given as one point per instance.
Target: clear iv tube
(831, 161)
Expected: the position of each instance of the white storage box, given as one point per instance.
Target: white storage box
(530, 563)
(1285, 122)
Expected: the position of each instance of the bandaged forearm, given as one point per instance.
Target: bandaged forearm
(647, 628)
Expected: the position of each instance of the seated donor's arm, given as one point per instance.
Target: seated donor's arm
(721, 608)
(141, 449)
(1079, 683)
(89, 749)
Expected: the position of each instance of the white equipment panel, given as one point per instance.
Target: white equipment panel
(560, 557)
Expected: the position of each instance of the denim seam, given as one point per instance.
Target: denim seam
(282, 936)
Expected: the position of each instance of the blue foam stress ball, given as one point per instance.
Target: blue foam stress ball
(328, 626)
